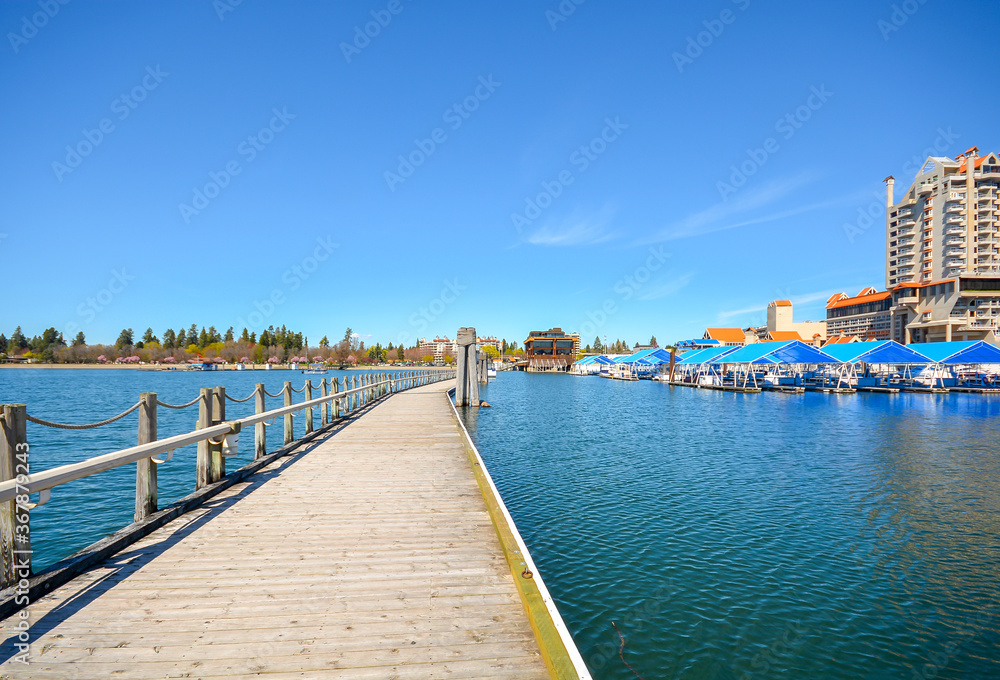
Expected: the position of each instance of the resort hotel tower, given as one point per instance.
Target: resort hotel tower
(943, 251)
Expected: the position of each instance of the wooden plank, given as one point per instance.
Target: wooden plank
(370, 556)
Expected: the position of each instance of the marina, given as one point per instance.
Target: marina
(796, 367)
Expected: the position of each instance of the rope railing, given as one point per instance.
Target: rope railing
(300, 390)
(240, 401)
(190, 403)
(88, 426)
(275, 396)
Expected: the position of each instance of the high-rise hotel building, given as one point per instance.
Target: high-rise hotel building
(943, 251)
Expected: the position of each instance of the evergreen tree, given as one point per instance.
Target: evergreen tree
(265, 338)
(17, 341)
(3, 342)
(213, 335)
(652, 341)
(203, 339)
(169, 339)
(79, 341)
(399, 353)
(148, 337)
(324, 342)
(598, 347)
(245, 337)
(253, 337)
(192, 336)
(182, 339)
(586, 350)
(125, 339)
(229, 335)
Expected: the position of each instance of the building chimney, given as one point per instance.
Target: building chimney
(889, 182)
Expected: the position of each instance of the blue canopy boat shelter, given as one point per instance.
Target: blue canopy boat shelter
(748, 359)
(880, 359)
(965, 362)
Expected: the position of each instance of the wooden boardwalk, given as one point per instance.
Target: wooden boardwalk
(367, 554)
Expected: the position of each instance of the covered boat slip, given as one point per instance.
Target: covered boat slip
(876, 366)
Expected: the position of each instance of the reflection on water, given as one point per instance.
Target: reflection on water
(761, 535)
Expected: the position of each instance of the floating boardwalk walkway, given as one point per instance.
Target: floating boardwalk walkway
(367, 553)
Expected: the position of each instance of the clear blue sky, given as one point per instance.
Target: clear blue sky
(634, 236)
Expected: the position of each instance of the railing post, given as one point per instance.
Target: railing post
(203, 465)
(260, 429)
(335, 384)
(309, 411)
(289, 428)
(15, 535)
(325, 392)
(218, 416)
(145, 470)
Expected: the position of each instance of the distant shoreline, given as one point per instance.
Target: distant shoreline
(181, 368)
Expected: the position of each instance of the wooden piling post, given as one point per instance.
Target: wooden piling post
(335, 385)
(289, 428)
(203, 465)
(324, 388)
(260, 429)
(467, 389)
(145, 470)
(309, 411)
(15, 532)
(218, 416)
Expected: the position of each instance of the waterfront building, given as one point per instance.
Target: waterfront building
(948, 222)
(867, 315)
(439, 347)
(551, 350)
(489, 342)
(729, 337)
(964, 308)
(943, 251)
(780, 320)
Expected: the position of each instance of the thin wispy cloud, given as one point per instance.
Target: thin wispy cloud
(667, 287)
(576, 230)
(727, 215)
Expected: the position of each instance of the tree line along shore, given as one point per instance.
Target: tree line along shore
(273, 346)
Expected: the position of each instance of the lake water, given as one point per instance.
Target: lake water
(727, 535)
(757, 535)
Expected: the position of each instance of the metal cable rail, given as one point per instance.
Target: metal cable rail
(43, 482)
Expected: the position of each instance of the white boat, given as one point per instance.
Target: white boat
(315, 369)
(491, 370)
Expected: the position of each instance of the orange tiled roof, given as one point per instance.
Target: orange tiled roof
(784, 335)
(922, 285)
(726, 334)
(979, 159)
(858, 300)
(867, 295)
(781, 303)
(840, 339)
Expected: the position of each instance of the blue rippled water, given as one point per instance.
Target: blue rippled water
(87, 510)
(760, 535)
